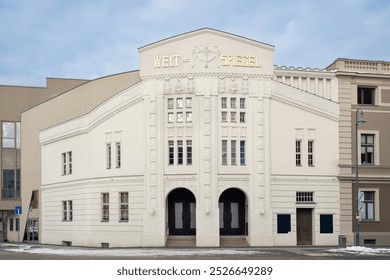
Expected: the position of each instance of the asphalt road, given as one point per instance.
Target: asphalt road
(48, 252)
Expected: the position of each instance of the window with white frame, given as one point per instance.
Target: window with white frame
(242, 152)
(298, 151)
(367, 148)
(118, 155)
(67, 210)
(124, 206)
(368, 209)
(366, 95)
(180, 152)
(171, 152)
(224, 152)
(105, 207)
(310, 153)
(233, 155)
(189, 152)
(182, 112)
(108, 155)
(66, 159)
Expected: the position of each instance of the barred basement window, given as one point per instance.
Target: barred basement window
(304, 197)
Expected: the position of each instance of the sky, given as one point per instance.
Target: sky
(88, 39)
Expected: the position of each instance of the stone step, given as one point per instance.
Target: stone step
(233, 241)
(181, 241)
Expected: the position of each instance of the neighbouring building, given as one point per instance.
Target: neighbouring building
(364, 86)
(13, 101)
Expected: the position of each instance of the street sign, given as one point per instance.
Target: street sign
(18, 210)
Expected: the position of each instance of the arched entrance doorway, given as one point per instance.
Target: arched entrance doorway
(181, 212)
(232, 212)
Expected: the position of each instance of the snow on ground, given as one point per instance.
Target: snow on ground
(361, 250)
(123, 252)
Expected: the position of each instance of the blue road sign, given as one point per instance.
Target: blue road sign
(18, 210)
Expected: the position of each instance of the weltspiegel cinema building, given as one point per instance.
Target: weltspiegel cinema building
(208, 140)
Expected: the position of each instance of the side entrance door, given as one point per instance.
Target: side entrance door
(304, 226)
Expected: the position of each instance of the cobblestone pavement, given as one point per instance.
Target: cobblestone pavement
(10, 251)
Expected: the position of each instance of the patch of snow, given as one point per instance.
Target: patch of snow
(361, 250)
(127, 252)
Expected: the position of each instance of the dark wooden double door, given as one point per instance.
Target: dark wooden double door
(232, 212)
(181, 212)
(304, 226)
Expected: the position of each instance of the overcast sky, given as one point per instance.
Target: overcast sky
(88, 39)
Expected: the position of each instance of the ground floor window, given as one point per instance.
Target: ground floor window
(326, 223)
(283, 223)
(67, 210)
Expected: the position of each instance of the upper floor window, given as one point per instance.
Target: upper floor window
(366, 95)
(223, 102)
(298, 155)
(310, 153)
(367, 148)
(11, 135)
(242, 103)
(242, 152)
(108, 155)
(183, 111)
(67, 163)
(118, 155)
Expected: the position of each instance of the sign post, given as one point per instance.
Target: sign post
(18, 211)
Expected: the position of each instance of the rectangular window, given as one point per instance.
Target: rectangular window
(189, 152)
(69, 163)
(366, 95)
(304, 197)
(11, 224)
(108, 155)
(124, 206)
(17, 224)
(242, 152)
(298, 152)
(233, 117)
(171, 152)
(224, 116)
(242, 117)
(233, 152)
(310, 153)
(326, 223)
(180, 117)
(179, 103)
(188, 102)
(224, 152)
(105, 204)
(171, 117)
(367, 148)
(179, 152)
(188, 117)
(242, 103)
(284, 223)
(223, 102)
(63, 163)
(368, 210)
(170, 103)
(233, 102)
(11, 135)
(118, 155)
(67, 210)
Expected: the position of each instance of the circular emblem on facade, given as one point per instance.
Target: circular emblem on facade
(203, 55)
